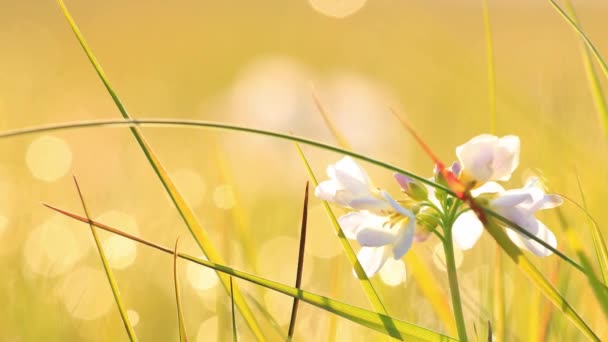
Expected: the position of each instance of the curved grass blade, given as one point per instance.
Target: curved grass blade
(369, 289)
(425, 280)
(594, 83)
(599, 243)
(199, 234)
(584, 37)
(376, 321)
(328, 147)
(183, 336)
(538, 279)
(106, 267)
(296, 301)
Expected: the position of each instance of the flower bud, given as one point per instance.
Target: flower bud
(411, 187)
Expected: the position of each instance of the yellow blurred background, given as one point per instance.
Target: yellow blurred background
(256, 63)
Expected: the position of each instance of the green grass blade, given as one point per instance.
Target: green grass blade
(598, 239)
(379, 322)
(234, 335)
(185, 211)
(498, 293)
(539, 280)
(296, 301)
(368, 288)
(108, 271)
(273, 322)
(423, 277)
(584, 37)
(183, 336)
(328, 147)
(594, 83)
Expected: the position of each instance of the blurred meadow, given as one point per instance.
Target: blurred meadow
(258, 64)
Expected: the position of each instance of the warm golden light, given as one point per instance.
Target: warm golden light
(49, 158)
(337, 8)
(86, 293)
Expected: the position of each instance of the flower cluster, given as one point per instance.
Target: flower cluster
(386, 228)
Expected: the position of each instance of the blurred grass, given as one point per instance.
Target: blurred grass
(186, 59)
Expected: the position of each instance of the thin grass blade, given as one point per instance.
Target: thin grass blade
(601, 252)
(539, 280)
(273, 322)
(222, 126)
(594, 83)
(369, 289)
(379, 322)
(234, 335)
(183, 336)
(498, 293)
(296, 301)
(584, 37)
(185, 211)
(423, 277)
(108, 270)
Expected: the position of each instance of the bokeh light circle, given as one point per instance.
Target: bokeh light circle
(120, 251)
(48, 158)
(337, 8)
(393, 272)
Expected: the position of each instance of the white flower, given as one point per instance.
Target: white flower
(350, 187)
(383, 228)
(381, 236)
(489, 158)
(518, 206)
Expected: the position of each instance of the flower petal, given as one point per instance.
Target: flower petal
(476, 156)
(352, 222)
(538, 229)
(372, 259)
(405, 238)
(375, 236)
(512, 198)
(506, 157)
(327, 190)
(467, 230)
(351, 176)
(488, 188)
(396, 206)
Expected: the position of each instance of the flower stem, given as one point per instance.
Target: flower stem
(448, 248)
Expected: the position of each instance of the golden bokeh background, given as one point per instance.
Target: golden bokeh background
(256, 63)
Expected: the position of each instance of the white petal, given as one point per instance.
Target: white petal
(375, 236)
(327, 190)
(405, 238)
(467, 230)
(551, 201)
(538, 229)
(368, 203)
(352, 222)
(396, 206)
(372, 259)
(476, 156)
(351, 176)
(512, 198)
(506, 158)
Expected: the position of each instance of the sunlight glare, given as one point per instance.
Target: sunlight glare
(48, 158)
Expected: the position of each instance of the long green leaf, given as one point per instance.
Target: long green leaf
(538, 279)
(369, 289)
(584, 37)
(199, 234)
(183, 336)
(328, 147)
(376, 321)
(108, 270)
(423, 277)
(599, 243)
(594, 83)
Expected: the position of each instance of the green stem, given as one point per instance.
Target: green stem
(448, 248)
